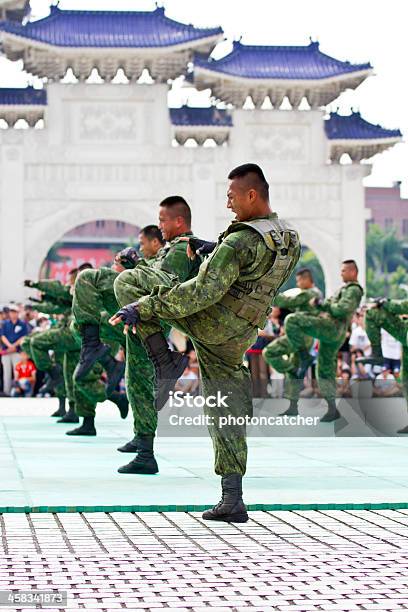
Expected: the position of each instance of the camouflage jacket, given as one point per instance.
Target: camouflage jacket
(240, 254)
(172, 258)
(344, 302)
(299, 301)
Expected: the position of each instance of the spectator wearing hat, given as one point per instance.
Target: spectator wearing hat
(13, 330)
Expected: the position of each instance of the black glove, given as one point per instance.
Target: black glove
(128, 257)
(201, 247)
(29, 283)
(129, 314)
(379, 302)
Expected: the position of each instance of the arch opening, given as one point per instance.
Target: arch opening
(95, 242)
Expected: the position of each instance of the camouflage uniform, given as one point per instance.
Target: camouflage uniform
(278, 353)
(329, 327)
(63, 342)
(221, 324)
(388, 317)
(94, 293)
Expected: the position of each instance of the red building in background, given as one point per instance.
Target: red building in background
(388, 208)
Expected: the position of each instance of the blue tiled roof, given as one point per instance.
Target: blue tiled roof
(26, 95)
(261, 62)
(187, 115)
(110, 29)
(354, 127)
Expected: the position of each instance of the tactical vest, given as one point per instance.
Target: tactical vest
(251, 299)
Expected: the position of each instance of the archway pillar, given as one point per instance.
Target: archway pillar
(11, 222)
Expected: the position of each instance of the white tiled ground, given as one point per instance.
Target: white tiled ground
(284, 561)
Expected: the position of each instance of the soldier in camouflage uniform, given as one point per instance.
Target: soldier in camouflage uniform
(329, 326)
(278, 353)
(386, 314)
(91, 293)
(220, 310)
(84, 395)
(60, 391)
(55, 300)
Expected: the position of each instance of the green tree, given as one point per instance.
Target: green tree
(386, 265)
(307, 260)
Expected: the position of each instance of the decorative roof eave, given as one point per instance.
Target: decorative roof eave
(201, 133)
(359, 149)
(31, 113)
(318, 92)
(51, 61)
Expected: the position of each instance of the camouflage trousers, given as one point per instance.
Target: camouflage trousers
(379, 318)
(220, 339)
(84, 395)
(278, 354)
(60, 390)
(331, 334)
(94, 302)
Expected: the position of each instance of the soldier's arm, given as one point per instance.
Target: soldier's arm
(54, 289)
(176, 261)
(396, 306)
(215, 276)
(292, 303)
(51, 307)
(348, 303)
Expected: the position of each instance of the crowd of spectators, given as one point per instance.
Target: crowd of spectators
(18, 375)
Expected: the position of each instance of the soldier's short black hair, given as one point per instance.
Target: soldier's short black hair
(350, 262)
(178, 206)
(255, 176)
(305, 272)
(73, 271)
(85, 266)
(151, 232)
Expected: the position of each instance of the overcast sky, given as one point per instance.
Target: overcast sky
(354, 30)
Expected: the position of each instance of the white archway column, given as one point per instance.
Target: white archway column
(11, 221)
(354, 216)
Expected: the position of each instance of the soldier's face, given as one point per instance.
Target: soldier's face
(348, 273)
(147, 247)
(169, 225)
(240, 199)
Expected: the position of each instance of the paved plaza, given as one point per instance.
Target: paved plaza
(285, 560)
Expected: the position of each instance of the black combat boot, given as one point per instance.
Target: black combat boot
(306, 361)
(92, 350)
(168, 365)
(332, 413)
(130, 447)
(231, 508)
(54, 377)
(292, 410)
(122, 402)
(404, 430)
(144, 462)
(71, 416)
(114, 369)
(376, 358)
(61, 408)
(86, 429)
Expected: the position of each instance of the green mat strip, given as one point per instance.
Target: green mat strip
(200, 508)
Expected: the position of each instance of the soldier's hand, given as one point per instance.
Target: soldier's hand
(379, 302)
(201, 247)
(28, 283)
(128, 258)
(129, 315)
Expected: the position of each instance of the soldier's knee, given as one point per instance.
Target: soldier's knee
(291, 322)
(123, 280)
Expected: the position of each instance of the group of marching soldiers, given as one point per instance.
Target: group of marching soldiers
(218, 294)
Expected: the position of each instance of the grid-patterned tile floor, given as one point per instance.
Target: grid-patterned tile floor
(285, 561)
